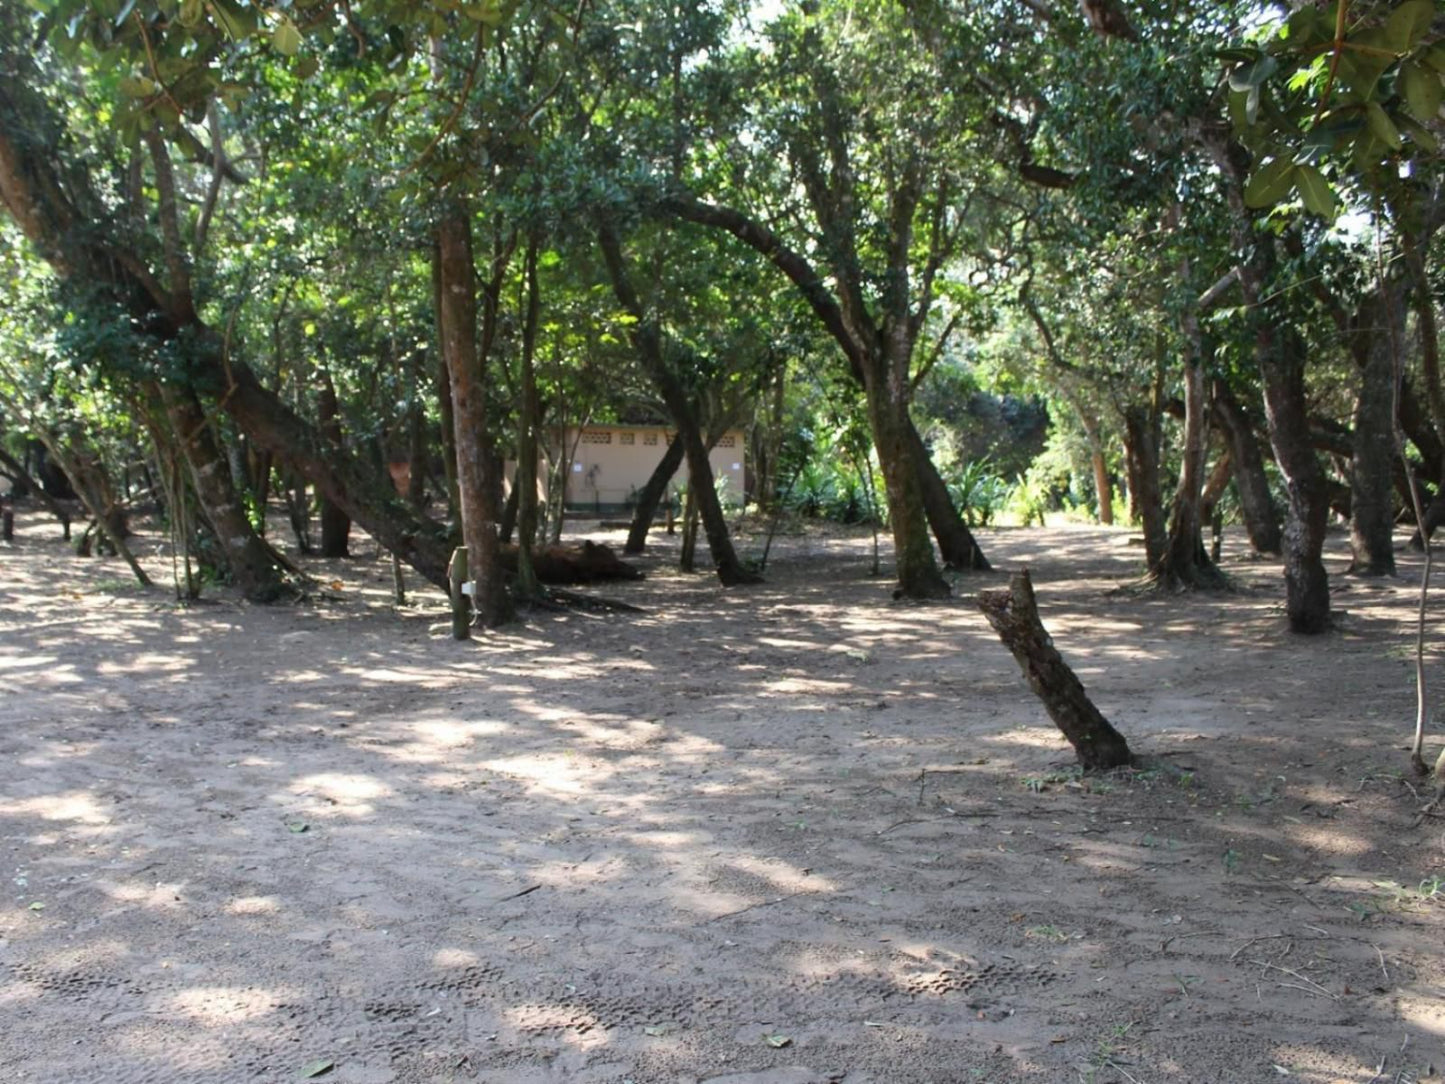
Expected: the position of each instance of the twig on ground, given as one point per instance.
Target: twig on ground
(1384, 971)
(1311, 986)
(900, 824)
(517, 895)
(1255, 940)
(754, 907)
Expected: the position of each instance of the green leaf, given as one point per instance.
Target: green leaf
(316, 1068)
(1367, 151)
(37, 906)
(1420, 135)
(192, 11)
(1306, 27)
(1422, 91)
(1270, 183)
(286, 38)
(1238, 56)
(1408, 23)
(1434, 57)
(1316, 192)
(138, 86)
(777, 1042)
(306, 67)
(238, 22)
(1383, 127)
(1249, 76)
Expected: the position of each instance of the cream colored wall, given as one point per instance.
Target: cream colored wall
(607, 469)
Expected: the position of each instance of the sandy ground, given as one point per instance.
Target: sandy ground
(795, 833)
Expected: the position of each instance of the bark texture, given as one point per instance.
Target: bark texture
(335, 523)
(879, 349)
(1377, 326)
(1307, 586)
(1261, 516)
(478, 481)
(1184, 563)
(72, 230)
(1014, 615)
(651, 494)
(1141, 455)
(648, 342)
(247, 555)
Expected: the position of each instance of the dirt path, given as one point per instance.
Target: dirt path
(797, 833)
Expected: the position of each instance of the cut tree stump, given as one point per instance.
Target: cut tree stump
(1014, 615)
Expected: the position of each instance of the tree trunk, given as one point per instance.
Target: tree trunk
(1103, 484)
(903, 473)
(529, 422)
(1307, 586)
(27, 483)
(878, 357)
(1185, 564)
(1261, 517)
(1141, 455)
(1377, 326)
(444, 396)
(335, 523)
(1215, 485)
(1279, 353)
(647, 340)
(247, 557)
(651, 495)
(50, 213)
(88, 481)
(508, 525)
(1014, 616)
(768, 448)
(687, 551)
(956, 543)
(478, 486)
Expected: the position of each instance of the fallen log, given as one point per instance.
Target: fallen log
(570, 564)
(1014, 615)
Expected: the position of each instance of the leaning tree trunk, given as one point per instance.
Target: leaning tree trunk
(1378, 324)
(1261, 517)
(651, 495)
(647, 340)
(1014, 615)
(893, 439)
(703, 489)
(247, 557)
(60, 218)
(1141, 456)
(1279, 353)
(956, 544)
(478, 487)
(93, 489)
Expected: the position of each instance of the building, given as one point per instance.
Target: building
(611, 463)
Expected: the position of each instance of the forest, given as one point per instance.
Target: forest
(310, 308)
